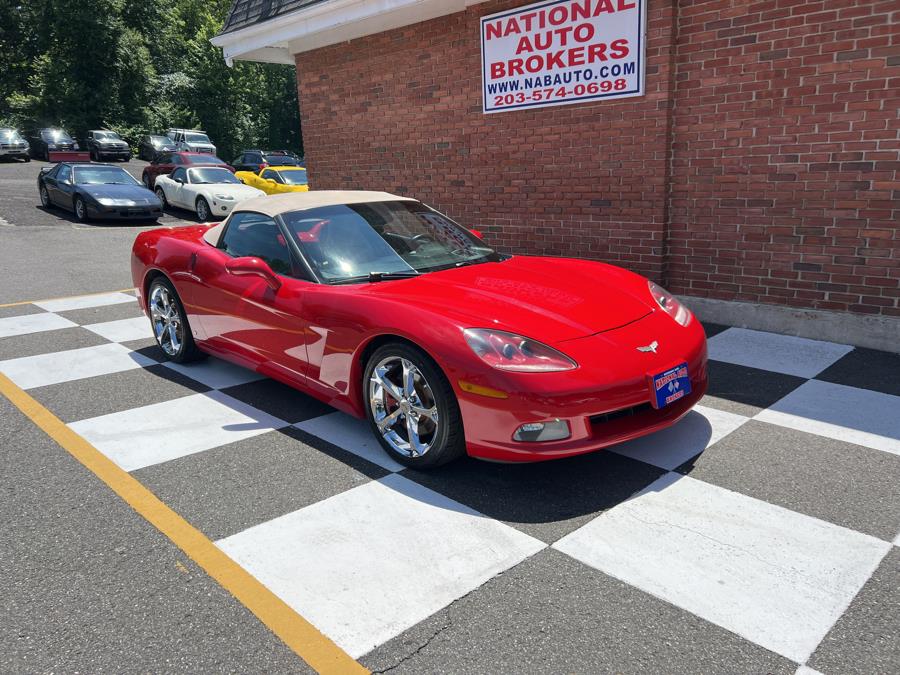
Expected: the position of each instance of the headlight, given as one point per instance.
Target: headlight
(109, 201)
(223, 197)
(75, 146)
(51, 146)
(670, 304)
(508, 351)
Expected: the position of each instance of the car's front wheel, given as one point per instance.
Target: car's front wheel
(202, 209)
(411, 407)
(81, 213)
(161, 195)
(169, 322)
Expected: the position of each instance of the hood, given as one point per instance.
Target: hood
(136, 193)
(236, 191)
(548, 299)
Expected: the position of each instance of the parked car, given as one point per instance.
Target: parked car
(93, 190)
(167, 162)
(192, 140)
(102, 143)
(49, 139)
(276, 180)
(209, 191)
(390, 311)
(151, 146)
(255, 160)
(12, 144)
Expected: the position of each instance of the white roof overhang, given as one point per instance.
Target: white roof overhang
(277, 40)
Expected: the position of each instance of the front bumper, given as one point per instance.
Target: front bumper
(116, 153)
(605, 401)
(220, 208)
(14, 151)
(148, 212)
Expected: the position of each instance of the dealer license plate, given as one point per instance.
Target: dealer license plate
(670, 386)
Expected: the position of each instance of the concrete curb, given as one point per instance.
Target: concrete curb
(861, 330)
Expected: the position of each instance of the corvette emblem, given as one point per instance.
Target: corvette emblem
(649, 348)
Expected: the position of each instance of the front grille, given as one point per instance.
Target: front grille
(619, 414)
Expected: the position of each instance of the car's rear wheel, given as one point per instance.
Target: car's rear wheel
(45, 197)
(160, 193)
(81, 213)
(411, 407)
(202, 209)
(169, 322)
(145, 180)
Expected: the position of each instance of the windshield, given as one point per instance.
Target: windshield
(295, 177)
(56, 136)
(346, 243)
(202, 159)
(161, 140)
(196, 138)
(107, 136)
(212, 175)
(281, 160)
(103, 175)
(10, 135)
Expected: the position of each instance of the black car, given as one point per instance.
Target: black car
(103, 143)
(13, 145)
(50, 139)
(256, 160)
(152, 146)
(97, 191)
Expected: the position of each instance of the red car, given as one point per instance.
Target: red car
(167, 162)
(388, 310)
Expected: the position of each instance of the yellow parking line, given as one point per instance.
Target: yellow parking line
(295, 631)
(64, 297)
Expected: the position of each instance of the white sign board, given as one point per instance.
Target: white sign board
(561, 52)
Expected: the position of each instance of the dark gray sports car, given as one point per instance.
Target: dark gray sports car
(97, 191)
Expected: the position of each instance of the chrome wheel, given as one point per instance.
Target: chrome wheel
(167, 326)
(202, 209)
(403, 406)
(45, 197)
(80, 211)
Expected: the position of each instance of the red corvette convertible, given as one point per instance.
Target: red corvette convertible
(389, 310)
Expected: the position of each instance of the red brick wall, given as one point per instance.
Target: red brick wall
(761, 165)
(401, 111)
(785, 153)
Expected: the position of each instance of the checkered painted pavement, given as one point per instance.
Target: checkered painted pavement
(766, 521)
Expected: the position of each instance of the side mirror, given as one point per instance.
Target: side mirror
(179, 180)
(250, 266)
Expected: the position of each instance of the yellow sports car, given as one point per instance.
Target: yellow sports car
(274, 180)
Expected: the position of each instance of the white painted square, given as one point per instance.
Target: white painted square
(779, 353)
(366, 564)
(75, 364)
(850, 414)
(215, 373)
(164, 431)
(351, 434)
(693, 434)
(123, 330)
(775, 577)
(806, 670)
(85, 301)
(32, 323)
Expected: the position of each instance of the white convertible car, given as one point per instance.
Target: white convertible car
(210, 191)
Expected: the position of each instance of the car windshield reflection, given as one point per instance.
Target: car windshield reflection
(353, 242)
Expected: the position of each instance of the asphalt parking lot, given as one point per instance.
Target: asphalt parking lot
(760, 534)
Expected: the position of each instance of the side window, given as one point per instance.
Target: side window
(54, 172)
(269, 173)
(65, 173)
(180, 173)
(164, 159)
(253, 234)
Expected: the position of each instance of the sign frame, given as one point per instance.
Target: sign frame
(641, 61)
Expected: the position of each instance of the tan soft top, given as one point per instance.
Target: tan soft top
(273, 205)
